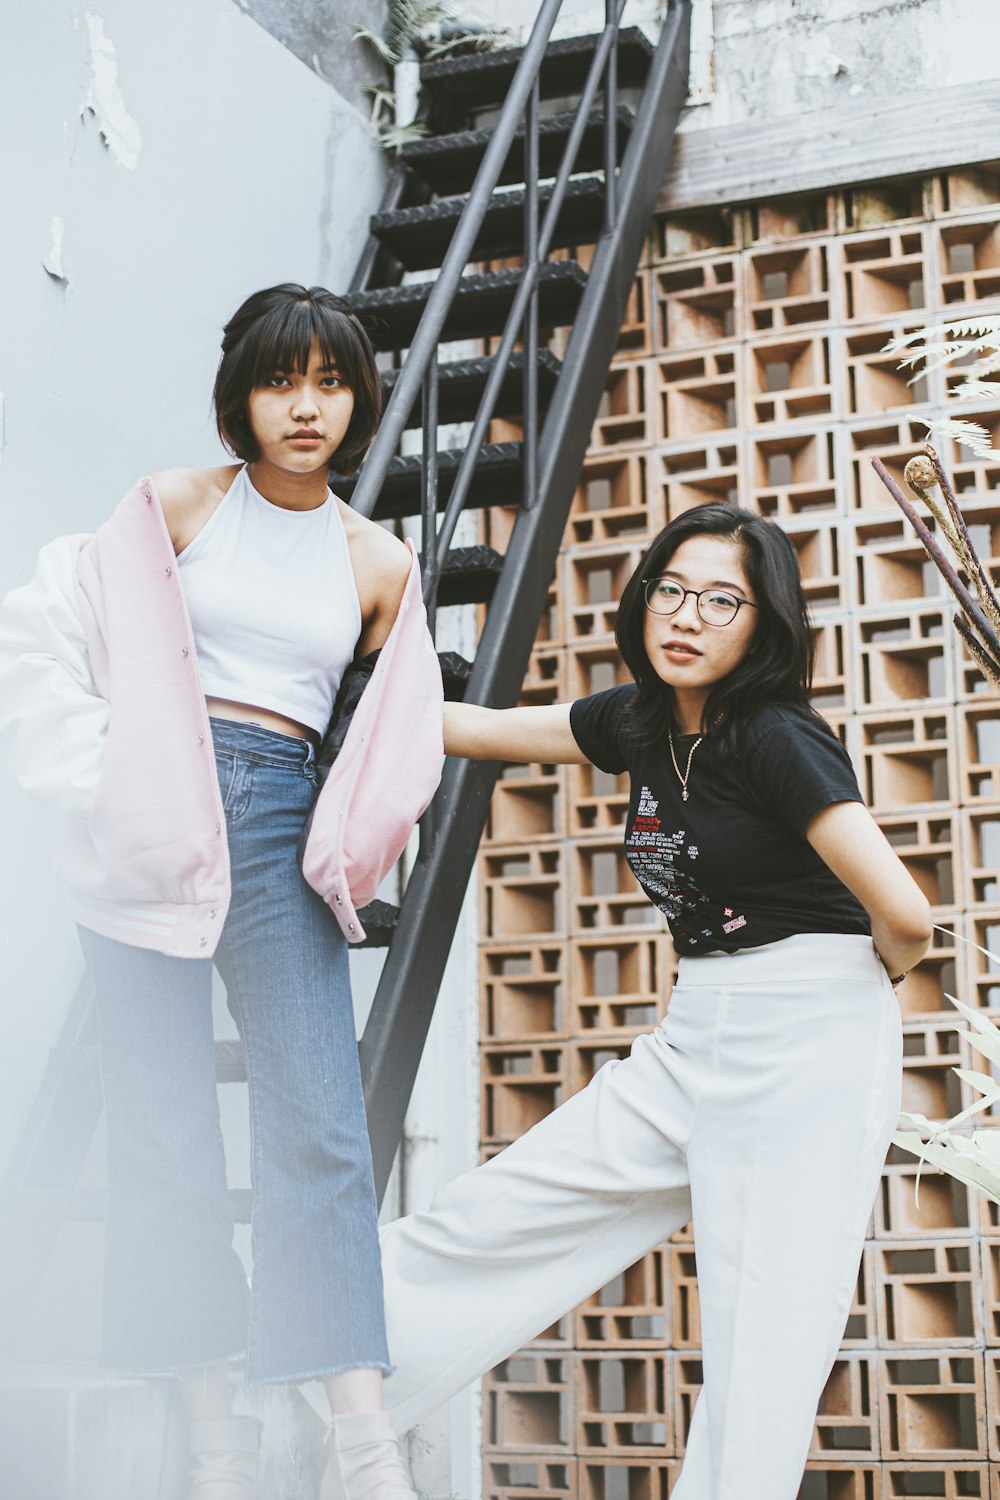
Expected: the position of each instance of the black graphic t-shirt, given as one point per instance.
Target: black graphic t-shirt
(729, 868)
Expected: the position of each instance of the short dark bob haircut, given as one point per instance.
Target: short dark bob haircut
(273, 331)
(778, 667)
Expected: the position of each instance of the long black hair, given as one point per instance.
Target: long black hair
(273, 330)
(778, 667)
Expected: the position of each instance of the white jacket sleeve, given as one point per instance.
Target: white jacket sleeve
(51, 714)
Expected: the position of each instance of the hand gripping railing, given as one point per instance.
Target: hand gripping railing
(420, 368)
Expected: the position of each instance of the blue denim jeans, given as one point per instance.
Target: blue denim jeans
(175, 1292)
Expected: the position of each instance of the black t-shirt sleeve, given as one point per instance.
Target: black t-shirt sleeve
(597, 725)
(797, 767)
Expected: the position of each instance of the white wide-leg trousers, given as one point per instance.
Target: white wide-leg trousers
(761, 1108)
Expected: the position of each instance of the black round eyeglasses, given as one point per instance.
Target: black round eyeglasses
(715, 606)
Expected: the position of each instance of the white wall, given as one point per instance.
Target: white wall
(756, 59)
(576, 17)
(251, 170)
(777, 57)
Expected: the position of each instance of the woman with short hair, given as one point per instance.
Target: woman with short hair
(170, 679)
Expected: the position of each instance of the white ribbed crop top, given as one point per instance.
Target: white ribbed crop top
(273, 604)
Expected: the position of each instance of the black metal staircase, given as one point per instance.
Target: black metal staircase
(604, 160)
(545, 148)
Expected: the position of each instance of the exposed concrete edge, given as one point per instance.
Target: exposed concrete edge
(345, 66)
(829, 148)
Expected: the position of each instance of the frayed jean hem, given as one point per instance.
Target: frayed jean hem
(301, 1376)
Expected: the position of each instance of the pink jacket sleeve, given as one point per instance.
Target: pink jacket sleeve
(386, 773)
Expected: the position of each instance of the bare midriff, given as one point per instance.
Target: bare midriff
(248, 713)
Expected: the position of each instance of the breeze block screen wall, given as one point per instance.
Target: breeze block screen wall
(750, 368)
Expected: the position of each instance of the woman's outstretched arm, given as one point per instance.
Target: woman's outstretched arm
(848, 840)
(516, 734)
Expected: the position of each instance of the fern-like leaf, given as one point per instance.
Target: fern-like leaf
(990, 362)
(970, 328)
(934, 354)
(977, 390)
(970, 434)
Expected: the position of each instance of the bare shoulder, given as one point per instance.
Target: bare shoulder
(381, 561)
(189, 496)
(381, 564)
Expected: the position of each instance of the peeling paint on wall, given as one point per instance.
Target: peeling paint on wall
(104, 98)
(53, 262)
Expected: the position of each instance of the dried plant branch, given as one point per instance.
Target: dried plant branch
(951, 578)
(986, 664)
(927, 478)
(968, 556)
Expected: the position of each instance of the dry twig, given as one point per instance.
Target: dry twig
(979, 620)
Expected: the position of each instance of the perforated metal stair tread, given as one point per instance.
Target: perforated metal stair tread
(480, 305)
(379, 920)
(448, 163)
(478, 80)
(419, 237)
(497, 480)
(469, 575)
(456, 672)
(461, 382)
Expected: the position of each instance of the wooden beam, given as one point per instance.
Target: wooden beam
(858, 141)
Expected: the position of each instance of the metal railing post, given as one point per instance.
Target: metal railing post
(530, 338)
(611, 122)
(429, 568)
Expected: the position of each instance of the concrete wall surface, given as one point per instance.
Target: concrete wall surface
(321, 34)
(758, 59)
(159, 163)
(776, 57)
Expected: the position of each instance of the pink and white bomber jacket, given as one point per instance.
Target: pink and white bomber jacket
(99, 688)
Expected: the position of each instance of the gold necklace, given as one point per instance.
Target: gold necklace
(687, 770)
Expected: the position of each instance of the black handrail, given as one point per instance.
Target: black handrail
(530, 339)
(521, 97)
(400, 1015)
(611, 125)
(428, 334)
(527, 287)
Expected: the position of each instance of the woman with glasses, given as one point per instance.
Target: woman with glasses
(762, 1106)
